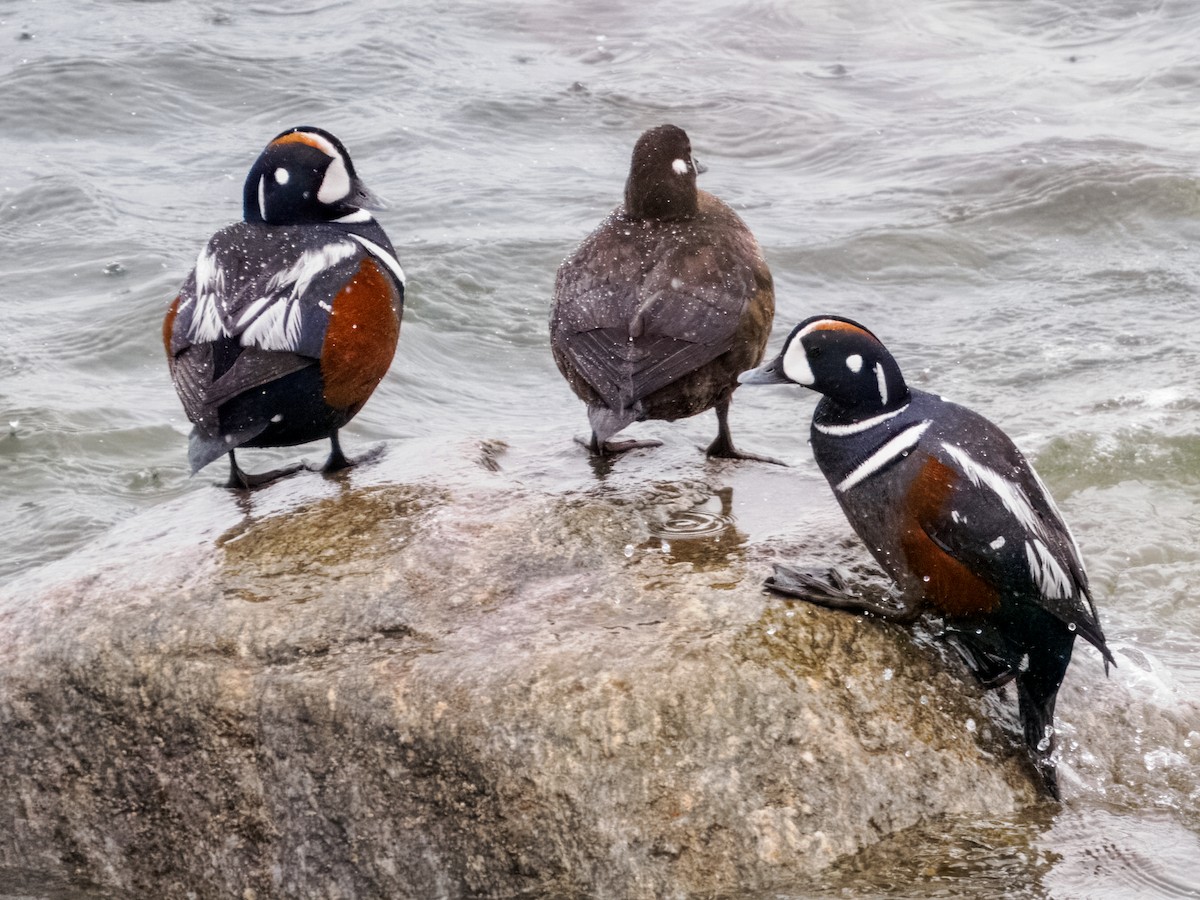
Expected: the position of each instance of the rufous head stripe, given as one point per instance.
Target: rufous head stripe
(835, 325)
(307, 137)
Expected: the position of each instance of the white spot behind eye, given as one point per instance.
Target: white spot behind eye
(335, 185)
(881, 377)
(680, 166)
(282, 175)
(854, 363)
(262, 197)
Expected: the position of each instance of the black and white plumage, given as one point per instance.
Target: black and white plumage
(289, 319)
(661, 307)
(952, 511)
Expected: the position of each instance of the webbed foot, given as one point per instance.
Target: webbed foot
(826, 587)
(718, 451)
(338, 460)
(240, 480)
(615, 448)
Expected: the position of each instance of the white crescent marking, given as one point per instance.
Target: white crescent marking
(897, 446)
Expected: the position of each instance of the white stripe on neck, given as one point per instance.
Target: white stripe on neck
(359, 215)
(860, 426)
(896, 447)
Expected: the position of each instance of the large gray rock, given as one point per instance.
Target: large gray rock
(471, 682)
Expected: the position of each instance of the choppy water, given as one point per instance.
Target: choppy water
(1005, 192)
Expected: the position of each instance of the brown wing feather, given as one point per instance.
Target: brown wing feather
(644, 303)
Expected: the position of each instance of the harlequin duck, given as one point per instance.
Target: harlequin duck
(953, 513)
(662, 306)
(289, 319)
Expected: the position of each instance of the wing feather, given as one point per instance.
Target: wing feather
(636, 309)
(999, 520)
(269, 287)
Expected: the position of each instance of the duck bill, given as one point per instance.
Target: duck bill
(364, 198)
(768, 373)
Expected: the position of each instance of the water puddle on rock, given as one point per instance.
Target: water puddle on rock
(704, 537)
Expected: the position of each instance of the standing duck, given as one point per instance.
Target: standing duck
(289, 319)
(661, 307)
(954, 514)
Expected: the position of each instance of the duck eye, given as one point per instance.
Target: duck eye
(812, 352)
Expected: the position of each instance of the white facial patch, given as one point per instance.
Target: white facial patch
(795, 363)
(891, 450)
(854, 363)
(881, 378)
(680, 167)
(335, 185)
(282, 176)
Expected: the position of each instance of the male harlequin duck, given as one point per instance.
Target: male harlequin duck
(952, 511)
(663, 304)
(289, 319)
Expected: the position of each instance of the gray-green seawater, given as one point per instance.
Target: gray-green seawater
(1006, 193)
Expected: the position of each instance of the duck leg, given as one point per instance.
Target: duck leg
(722, 447)
(1037, 691)
(338, 460)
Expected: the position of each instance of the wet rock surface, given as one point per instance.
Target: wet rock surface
(456, 682)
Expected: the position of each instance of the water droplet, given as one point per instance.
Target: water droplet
(887, 674)
(771, 630)
(924, 700)
(925, 578)
(665, 547)
(1044, 744)
(628, 550)
(971, 725)
(1070, 626)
